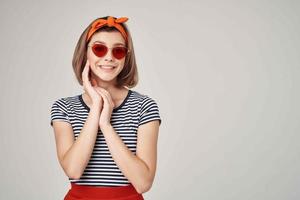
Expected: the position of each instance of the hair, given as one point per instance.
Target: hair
(127, 77)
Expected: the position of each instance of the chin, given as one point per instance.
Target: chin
(106, 78)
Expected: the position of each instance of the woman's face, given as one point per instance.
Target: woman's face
(101, 66)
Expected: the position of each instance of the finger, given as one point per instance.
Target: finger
(85, 71)
(87, 63)
(107, 94)
(103, 96)
(103, 91)
(99, 92)
(108, 97)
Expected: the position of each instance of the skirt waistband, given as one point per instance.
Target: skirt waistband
(127, 192)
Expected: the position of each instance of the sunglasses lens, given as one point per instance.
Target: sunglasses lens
(99, 50)
(119, 52)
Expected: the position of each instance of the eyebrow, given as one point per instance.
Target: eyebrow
(118, 43)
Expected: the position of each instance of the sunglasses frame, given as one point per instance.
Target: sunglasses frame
(92, 45)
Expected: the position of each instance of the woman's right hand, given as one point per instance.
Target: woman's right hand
(89, 86)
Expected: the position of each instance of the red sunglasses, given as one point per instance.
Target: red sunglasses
(101, 50)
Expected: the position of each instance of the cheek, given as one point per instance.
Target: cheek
(121, 65)
(92, 58)
(90, 55)
(122, 62)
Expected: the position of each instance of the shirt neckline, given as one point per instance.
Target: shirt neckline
(115, 109)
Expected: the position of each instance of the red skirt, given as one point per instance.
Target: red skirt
(86, 192)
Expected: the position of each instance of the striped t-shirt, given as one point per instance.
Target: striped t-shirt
(135, 110)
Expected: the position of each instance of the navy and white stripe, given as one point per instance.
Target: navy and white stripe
(135, 110)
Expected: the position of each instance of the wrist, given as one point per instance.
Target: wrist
(95, 107)
(106, 127)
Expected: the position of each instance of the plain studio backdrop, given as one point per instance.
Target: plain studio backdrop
(225, 75)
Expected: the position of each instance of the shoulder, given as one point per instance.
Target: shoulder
(61, 108)
(148, 108)
(141, 97)
(146, 102)
(65, 102)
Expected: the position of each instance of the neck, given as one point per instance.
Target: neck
(115, 92)
(107, 85)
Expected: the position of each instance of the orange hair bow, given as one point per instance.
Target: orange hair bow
(110, 21)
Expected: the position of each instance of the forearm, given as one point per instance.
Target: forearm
(132, 167)
(78, 156)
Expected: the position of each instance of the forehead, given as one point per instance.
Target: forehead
(109, 38)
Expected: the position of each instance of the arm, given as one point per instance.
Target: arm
(140, 168)
(74, 155)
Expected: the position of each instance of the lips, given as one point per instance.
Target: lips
(107, 68)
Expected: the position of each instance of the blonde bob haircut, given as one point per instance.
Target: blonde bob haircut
(128, 77)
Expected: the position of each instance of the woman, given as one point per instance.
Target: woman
(106, 138)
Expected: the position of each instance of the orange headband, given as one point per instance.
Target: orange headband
(110, 21)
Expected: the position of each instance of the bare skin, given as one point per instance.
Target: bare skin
(90, 97)
(102, 95)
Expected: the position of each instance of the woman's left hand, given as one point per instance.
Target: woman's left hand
(107, 108)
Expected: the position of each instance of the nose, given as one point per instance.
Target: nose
(108, 55)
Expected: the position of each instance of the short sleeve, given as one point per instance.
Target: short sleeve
(149, 111)
(59, 111)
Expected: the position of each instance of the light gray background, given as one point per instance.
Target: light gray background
(225, 75)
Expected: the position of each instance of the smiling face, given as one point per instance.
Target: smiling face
(106, 68)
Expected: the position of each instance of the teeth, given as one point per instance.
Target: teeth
(107, 66)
